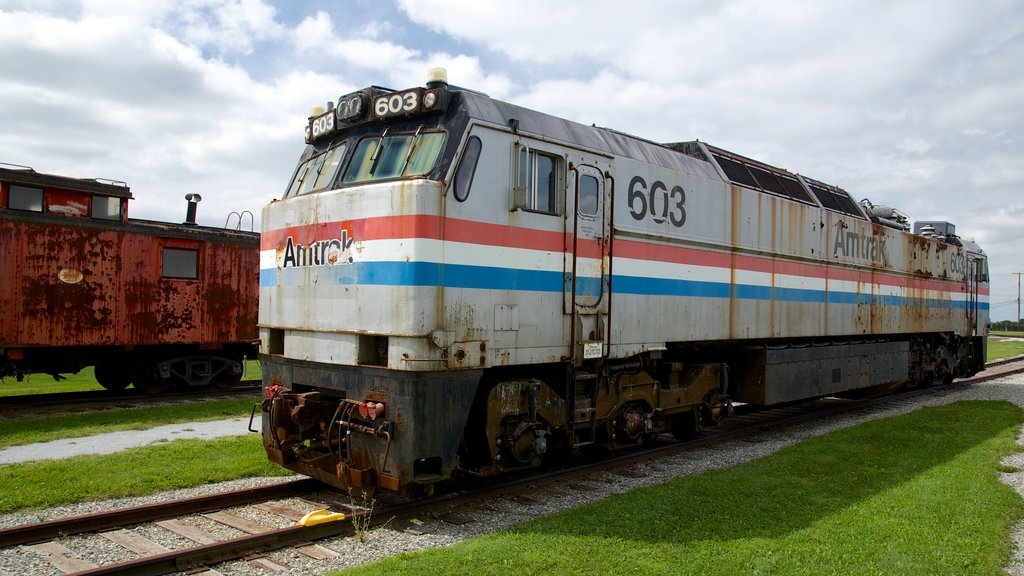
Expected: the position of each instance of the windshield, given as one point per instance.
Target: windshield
(377, 158)
(318, 172)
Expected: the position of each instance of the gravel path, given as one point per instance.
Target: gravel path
(117, 441)
(447, 529)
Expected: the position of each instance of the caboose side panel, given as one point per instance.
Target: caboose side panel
(230, 292)
(65, 284)
(8, 283)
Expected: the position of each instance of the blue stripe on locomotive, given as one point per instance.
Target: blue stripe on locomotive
(494, 278)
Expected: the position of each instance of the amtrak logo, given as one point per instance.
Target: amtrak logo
(861, 246)
(332, 252)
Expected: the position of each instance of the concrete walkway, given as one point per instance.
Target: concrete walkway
(116, 441)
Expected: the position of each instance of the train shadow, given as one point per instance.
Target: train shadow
(796, 487)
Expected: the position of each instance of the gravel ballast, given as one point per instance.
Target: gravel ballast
(501, 512)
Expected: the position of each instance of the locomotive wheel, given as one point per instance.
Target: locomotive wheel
(146, 380)
(113, 376)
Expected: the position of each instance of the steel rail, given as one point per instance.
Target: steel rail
(49, 530)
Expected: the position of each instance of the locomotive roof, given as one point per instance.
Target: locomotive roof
(29, 177)
(693, 157)
(482, 107)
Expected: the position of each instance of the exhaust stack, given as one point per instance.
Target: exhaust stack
(190, 216)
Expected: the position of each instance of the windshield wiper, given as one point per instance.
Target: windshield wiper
(375, 159)
(412, 148)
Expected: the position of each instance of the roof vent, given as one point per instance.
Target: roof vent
(190, 216)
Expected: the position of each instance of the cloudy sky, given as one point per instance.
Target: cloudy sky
(918, 105)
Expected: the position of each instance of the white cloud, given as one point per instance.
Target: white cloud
(914, 104)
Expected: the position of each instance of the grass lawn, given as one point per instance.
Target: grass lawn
(914, 494)
(134, 472)
(83, 381)
(999, 348)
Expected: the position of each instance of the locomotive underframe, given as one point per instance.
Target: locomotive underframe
(363, 427)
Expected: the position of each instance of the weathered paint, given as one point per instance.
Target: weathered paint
(79, 282)
(631, 322)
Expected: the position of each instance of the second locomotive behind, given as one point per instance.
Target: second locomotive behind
(457, 285)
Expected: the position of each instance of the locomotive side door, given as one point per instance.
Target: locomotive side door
(589, 260)
(974, 277)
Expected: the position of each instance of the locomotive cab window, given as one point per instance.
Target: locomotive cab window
(318, 173)
(180, 263)
(467, 167)
(401, 156)
(106, 208)
(25, 198)
(537, 181)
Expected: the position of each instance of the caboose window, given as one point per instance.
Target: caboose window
(536, 181)
(377, 158)
(25, 198)
(180, 263)
(106, 208)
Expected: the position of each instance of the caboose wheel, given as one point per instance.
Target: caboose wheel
(227, 378)
(146, 380)
(113, 376)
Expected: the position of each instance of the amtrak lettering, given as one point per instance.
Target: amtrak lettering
(861, 247)
(319, 253)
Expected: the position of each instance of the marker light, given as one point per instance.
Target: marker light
(437, 75)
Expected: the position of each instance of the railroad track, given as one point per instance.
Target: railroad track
(46, 539)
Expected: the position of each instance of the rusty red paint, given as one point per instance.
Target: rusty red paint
(118, 296)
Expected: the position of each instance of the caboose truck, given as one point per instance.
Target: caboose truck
(453, 284)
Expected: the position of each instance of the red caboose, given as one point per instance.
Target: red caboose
(149, 303)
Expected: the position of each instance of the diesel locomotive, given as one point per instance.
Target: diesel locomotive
(456, 285)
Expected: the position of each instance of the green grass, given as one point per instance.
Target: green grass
(83, 381)
(134, 472)
(998, 348)
(45, 428)
(915, 494)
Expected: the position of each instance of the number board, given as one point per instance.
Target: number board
(398, 103)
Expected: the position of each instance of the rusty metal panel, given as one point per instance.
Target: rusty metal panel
(168, 309)
(66, 278)
(78, 282)
(230, 292)
(8, 283)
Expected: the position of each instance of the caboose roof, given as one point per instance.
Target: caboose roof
(28, 177)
